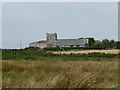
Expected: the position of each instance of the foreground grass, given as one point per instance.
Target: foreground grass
(60, 74)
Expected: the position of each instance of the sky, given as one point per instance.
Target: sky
(30, 21)
(0, 25)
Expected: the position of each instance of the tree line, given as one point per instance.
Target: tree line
(105, 43)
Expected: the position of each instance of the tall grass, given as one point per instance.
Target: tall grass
(60, 74)
(0, 68)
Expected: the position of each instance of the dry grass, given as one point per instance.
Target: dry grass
(115, 51)
(60, 74)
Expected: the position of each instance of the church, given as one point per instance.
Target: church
(53, 41)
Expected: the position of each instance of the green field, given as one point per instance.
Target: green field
(34, 68)
(36, 54)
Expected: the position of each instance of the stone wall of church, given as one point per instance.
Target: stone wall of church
(50, 38)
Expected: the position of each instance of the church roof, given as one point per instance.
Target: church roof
(41, 42)
(70, 42)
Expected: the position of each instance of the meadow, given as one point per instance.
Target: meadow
(39, 54)
(36, 68)
(60, 74)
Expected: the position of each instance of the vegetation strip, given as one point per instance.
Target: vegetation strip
(40, 54)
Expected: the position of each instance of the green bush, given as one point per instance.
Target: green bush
(52, 48)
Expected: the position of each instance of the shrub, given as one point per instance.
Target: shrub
(52, 48)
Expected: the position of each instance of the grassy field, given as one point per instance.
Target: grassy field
(60, 74)
(114, 51)
(37, 54)
(36, 68)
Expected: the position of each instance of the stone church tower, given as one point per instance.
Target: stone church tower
(50, 38)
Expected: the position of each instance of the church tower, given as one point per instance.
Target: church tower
(51, 36)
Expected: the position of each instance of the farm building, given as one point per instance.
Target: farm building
(52, 41)
(40, 44)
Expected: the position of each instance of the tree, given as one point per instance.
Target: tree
(117, 44)
(91, 41)
(81, 38)
(97, 44)
(105, 43)
(112, 43)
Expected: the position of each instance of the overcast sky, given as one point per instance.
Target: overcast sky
(0, 25)
(30, 22)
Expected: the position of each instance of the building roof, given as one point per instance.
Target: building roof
(41, 42)
(70, 42)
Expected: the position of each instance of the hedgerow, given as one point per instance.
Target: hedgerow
(36, 54)
(73, 48)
